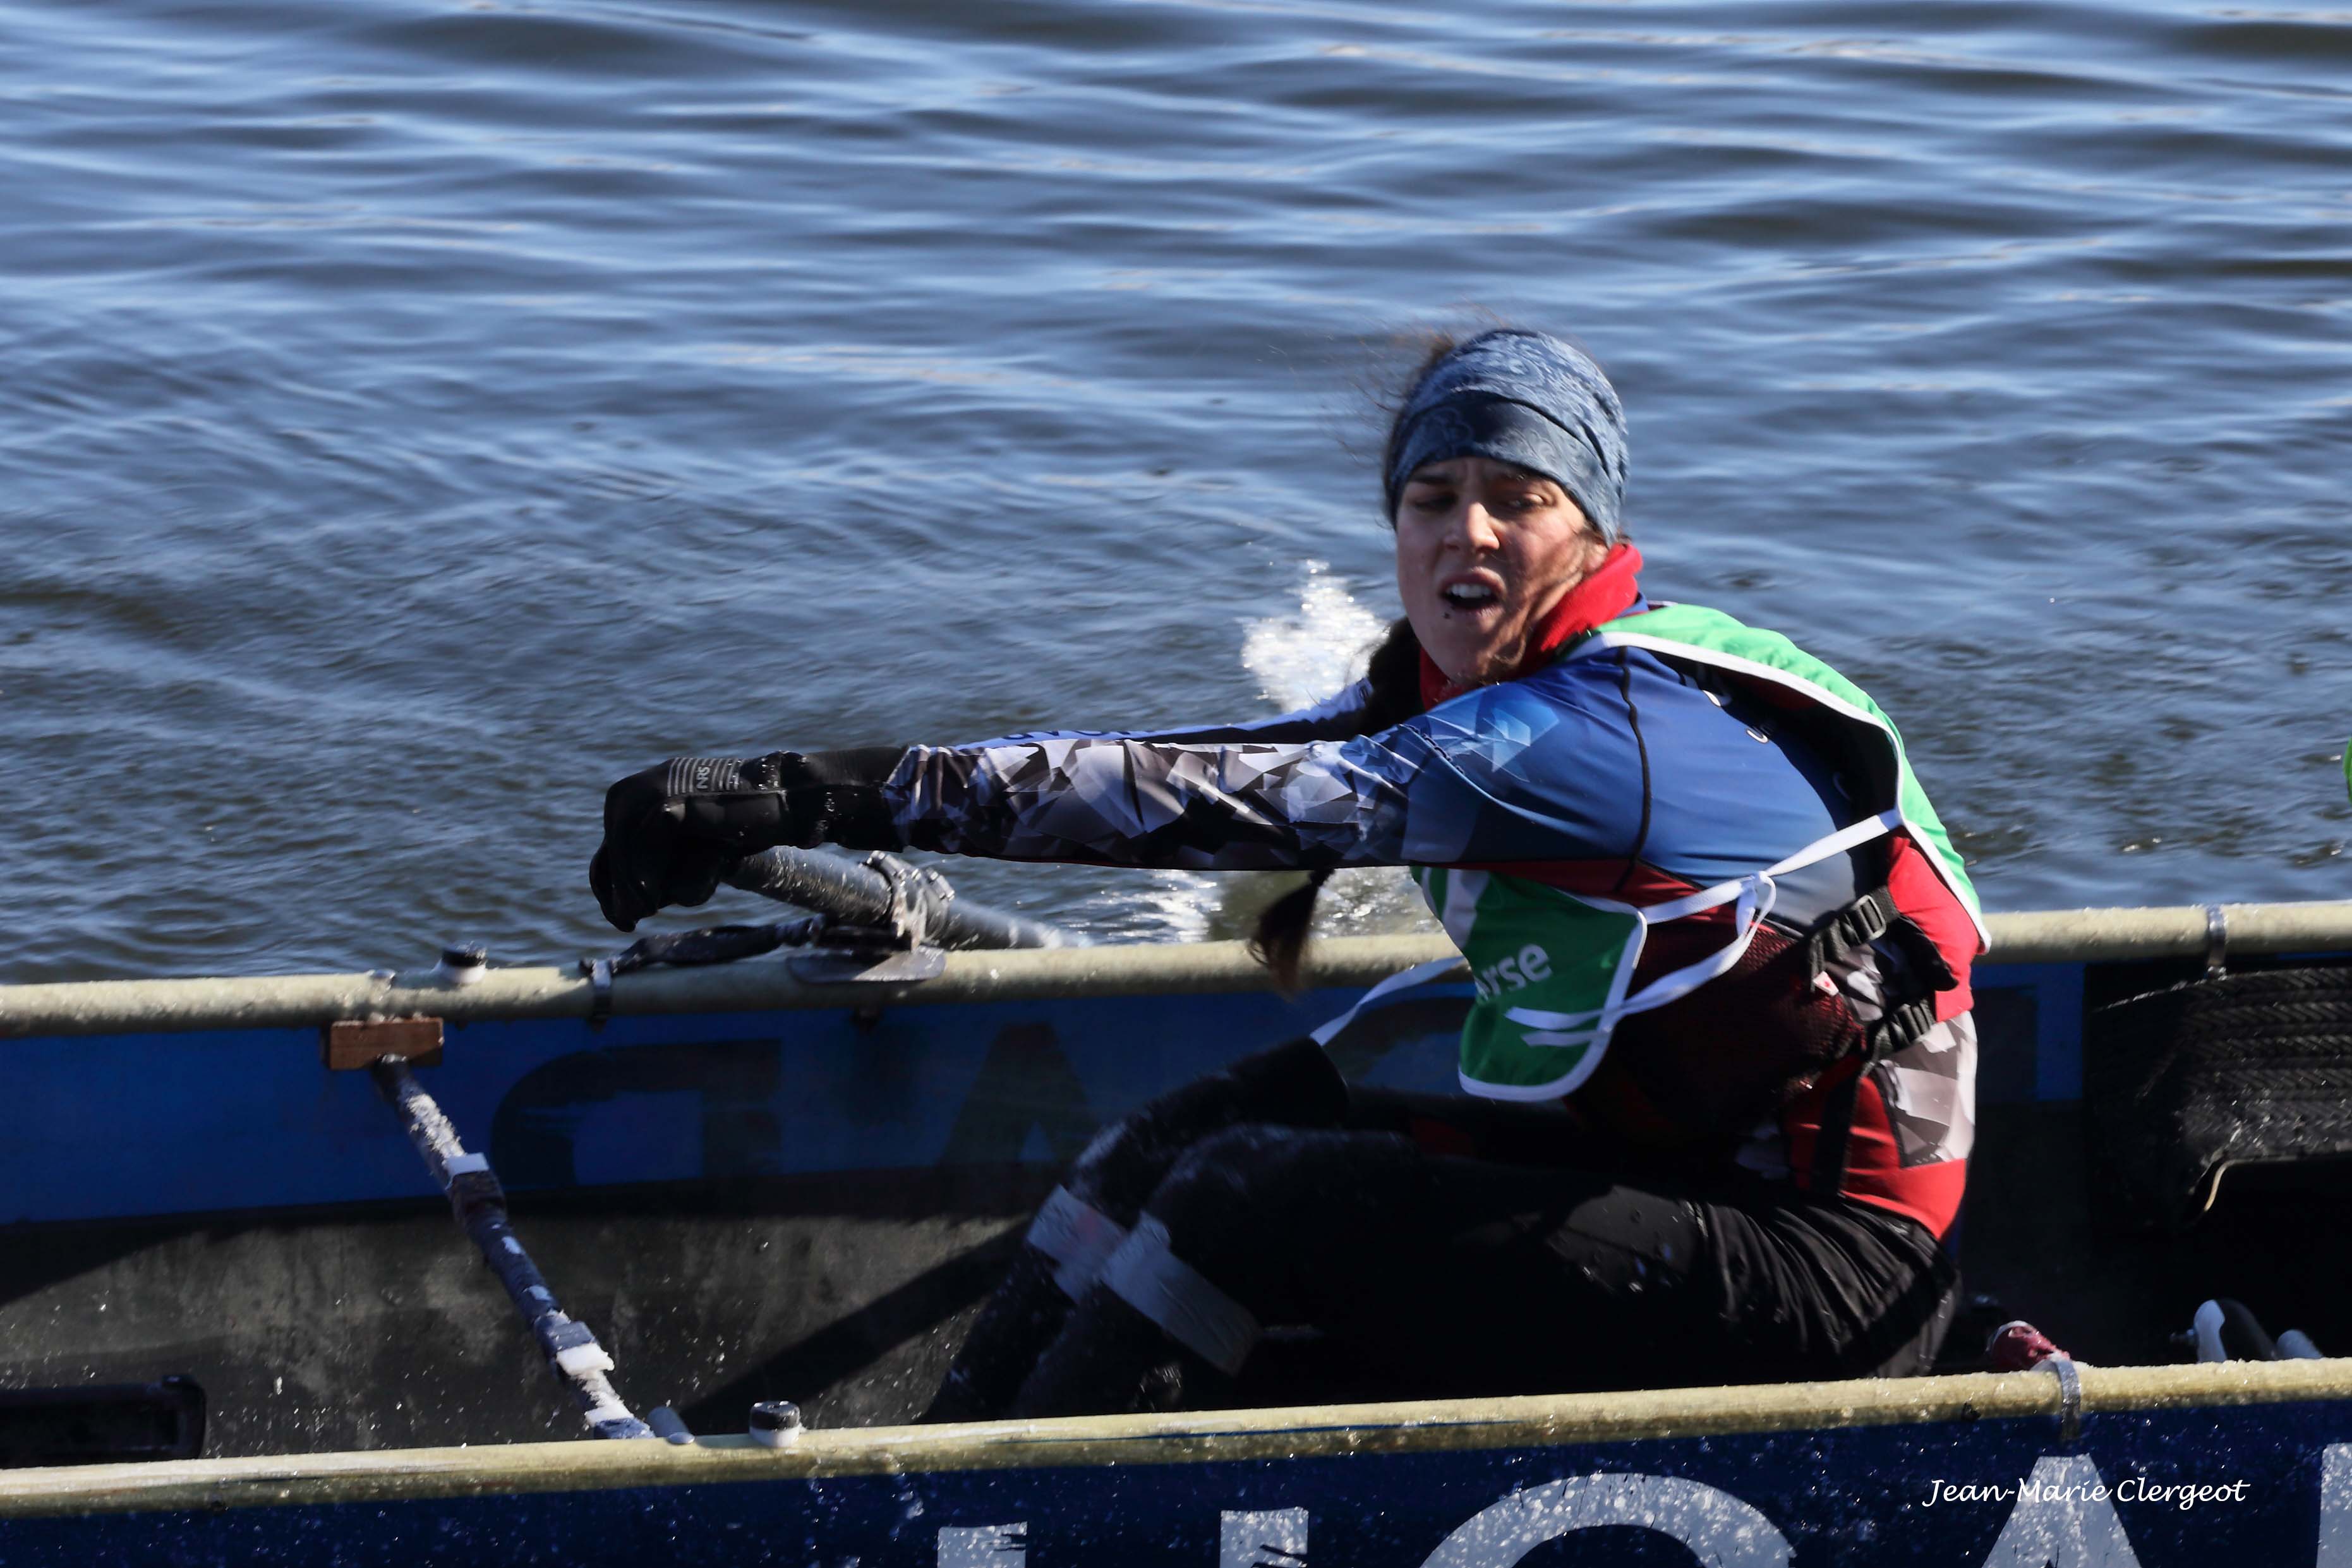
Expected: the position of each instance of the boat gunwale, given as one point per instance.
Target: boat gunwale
(1304, 1432)
(1137, 969)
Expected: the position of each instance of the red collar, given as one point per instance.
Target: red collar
(1603, 597)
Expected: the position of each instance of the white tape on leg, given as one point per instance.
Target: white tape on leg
(1077, 1237)
(1188, 1308)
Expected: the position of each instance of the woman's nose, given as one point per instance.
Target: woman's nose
(1474, 528)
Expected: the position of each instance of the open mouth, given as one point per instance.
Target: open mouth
(1471, 597)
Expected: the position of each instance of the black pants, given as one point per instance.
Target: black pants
(1287, 1201)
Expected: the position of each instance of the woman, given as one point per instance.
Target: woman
(1719, 1070)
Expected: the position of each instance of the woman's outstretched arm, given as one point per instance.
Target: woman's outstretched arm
(1131, 800)
(1265, 792)
(1478, 780)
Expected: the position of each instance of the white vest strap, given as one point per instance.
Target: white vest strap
(1403, 981)
(1756, 895)
(1838, 842)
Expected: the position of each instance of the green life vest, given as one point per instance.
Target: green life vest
(1553, 970)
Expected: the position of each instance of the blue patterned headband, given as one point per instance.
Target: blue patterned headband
(1526, 398)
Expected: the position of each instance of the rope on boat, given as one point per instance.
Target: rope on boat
(480, 1205)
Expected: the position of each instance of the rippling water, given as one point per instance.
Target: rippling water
(417, 415)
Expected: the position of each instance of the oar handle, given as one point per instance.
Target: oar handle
(855, 894)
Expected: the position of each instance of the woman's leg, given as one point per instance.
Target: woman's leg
(1448, 1276)
(1089, 1214)
(1833, 1288)
(1454, 1277)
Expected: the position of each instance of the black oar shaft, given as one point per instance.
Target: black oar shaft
(480, 1204)
(855, 894)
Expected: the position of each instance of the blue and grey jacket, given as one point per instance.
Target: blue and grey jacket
(1670, 766)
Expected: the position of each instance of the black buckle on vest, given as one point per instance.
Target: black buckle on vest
(1909, 1014)
(1899, 1026)
(1858, 924)
(1869, 918)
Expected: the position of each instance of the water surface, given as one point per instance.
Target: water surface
(417, 415)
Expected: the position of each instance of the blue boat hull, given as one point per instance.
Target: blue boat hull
(804, 1204)
(793, 1204)
(244, 1121)
(1829, 1479)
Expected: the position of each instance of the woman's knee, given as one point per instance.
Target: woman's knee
(1213, 1253)
(1256, 1190)
(1230, 1165)
(1292, 1085)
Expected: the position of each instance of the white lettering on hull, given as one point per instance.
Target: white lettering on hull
(2335, 1507)
(1721, 1531)
(984, 1546)
(2064, 1518)
(1274, 1538)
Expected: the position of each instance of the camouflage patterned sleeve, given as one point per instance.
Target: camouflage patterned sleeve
(1245, 804)
(1338, 718)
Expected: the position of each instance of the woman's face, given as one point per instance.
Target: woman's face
(1483, 550)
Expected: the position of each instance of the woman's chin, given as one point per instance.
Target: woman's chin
(1472, 667)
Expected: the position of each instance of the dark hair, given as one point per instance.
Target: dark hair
(1394, 678)
(1434, 347)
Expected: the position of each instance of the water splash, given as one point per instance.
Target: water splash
(1300, 658)
(1304, 658)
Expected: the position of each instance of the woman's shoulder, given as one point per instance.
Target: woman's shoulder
(1698, 633)
(1565, 717)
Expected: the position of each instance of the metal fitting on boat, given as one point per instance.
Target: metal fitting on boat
(2070, 1397)
(776, 1422)
(599, 972)
(462, 965)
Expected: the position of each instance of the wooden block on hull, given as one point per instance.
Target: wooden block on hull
(349, 1045)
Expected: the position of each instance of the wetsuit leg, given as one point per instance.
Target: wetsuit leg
(1863, 1289)
(1294, 1084)
(1831, 1287)
(1454, 1277)
(1444, 1274)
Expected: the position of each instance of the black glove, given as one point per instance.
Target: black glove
(673, 832)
